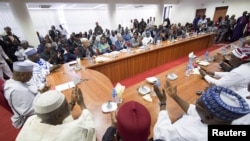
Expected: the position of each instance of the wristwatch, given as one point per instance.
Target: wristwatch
(162, 103)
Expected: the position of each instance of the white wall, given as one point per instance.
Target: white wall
(184, 11)
(42, 20)
(125, 15)
(83, 20)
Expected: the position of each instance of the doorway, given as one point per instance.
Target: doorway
(220, 11)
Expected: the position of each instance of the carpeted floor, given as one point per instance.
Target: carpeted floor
(7, 131)
(140, 77)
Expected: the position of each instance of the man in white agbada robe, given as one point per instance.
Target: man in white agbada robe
(193, 126)
(41, 69)
(245, 93)
(52, 108)
(238, 77)
(19, 93)
(147, 39)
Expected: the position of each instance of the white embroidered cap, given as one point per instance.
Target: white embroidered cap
(243, 52)
(48, 101)
(30, 51)
(22, 67)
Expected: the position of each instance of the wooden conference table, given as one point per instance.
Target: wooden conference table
(97, 88)
(140, 60)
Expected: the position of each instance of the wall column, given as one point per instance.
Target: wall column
(112, 15)
(159, 14)
(21, 14)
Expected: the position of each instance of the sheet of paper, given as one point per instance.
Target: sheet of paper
(65, 86)
(101, 59)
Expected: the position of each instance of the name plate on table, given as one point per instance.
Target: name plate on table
(65, 86)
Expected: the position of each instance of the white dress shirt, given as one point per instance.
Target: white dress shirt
(81, 129)
(235, 80)
(187, 128)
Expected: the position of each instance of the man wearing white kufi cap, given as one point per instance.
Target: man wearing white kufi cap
(51, 109)
(216, 106)
(19, 93)
(238, 77)
(40, 70)
(245, 93)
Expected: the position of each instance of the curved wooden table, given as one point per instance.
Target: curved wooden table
(96, 91)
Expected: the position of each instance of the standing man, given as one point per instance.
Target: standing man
(4, 68)
(240, 26)
(54, 33)
(11, 43)
(98, 28)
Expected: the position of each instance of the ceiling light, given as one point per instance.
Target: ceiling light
(44, 6)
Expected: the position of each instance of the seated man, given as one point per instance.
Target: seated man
(126, 36)
(120, 43)
(50, 54)
(40, 70)
(51, 109)
(136, 41)
(238, 77)
(147, 39)
(19, 93)
(94, 43)
(61, 52)
(103, 46)
(245, 93)
(133, 123)
(86, 49)
(193, 126)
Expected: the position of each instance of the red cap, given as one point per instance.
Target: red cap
(133, 122)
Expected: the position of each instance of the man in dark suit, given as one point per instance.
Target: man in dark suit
(54, 33)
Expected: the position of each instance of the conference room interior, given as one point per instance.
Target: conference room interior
(130, 70)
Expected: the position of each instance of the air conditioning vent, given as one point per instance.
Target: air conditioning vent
(44, 6)
(139, 6)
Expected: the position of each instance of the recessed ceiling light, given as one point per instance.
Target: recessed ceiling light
(44, 6)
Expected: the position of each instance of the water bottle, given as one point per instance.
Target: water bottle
(128, 50)
(78, 60)
(88, 56)
(240, 42)
(158, 84)
(206, 56)
(223, 50)
(114, 96)
(189, 69)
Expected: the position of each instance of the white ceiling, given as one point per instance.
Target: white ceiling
(4, 5)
